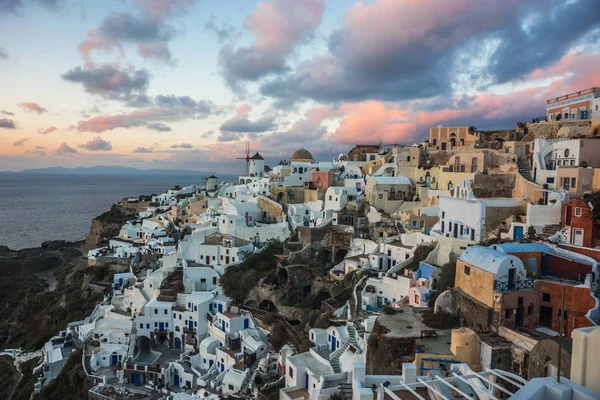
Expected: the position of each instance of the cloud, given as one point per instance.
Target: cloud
(231, 128)
(109, 81)
(142, 150)
(10, 6)
(46, 131)
(158, 51)
(39, 153)
(222, 33)
(32, 107)
(165, 108)
(21, 142)
(157, 126)
(279, 26)
(51, 4)
(147, 29)
(7, 113)
(65, 150)
(97, 144)
(6, 123)
(181, 146)
(3, 53)
(40, 147)
(413, 52)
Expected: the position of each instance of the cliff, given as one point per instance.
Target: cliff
(106, 226)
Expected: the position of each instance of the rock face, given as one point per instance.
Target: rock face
(106, 226)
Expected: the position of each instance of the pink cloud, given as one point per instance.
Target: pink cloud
(21, 142)
(96, 42)
(46, 131)
(32, 107)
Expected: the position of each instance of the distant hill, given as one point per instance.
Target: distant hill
(116, 170)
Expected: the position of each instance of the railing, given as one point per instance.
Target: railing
(500, 286)
(562, 277)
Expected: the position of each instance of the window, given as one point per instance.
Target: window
(578, 211)
(166, 312)
(443, 214)
(520, 300)
(467, 270)
(141, 326)
(547, 297)
(530, 309)
(156, 311)
(291, 372)
(214, 280)
(434, 142)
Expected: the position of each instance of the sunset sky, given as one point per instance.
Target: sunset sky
(185, 83)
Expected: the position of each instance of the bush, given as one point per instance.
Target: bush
(279, 336)
(447, 276)
(388, 309)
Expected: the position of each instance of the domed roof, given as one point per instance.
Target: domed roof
(302, 155)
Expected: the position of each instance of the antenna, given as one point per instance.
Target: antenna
(247, 158)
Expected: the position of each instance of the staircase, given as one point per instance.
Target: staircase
(88, 364)
(524, 169)
(352, 340)
(346, 391)
(548, 231)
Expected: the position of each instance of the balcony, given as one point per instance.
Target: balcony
(514, 286)
(188, 330)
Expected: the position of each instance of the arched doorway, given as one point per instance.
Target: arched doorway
(268, 306)
(178, 343)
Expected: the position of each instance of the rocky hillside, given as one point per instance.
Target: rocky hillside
(107, 225)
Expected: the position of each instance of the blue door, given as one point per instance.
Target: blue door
(161, 326)
(210, 363)
(115, 359)
(137, 378)
(220, 307)
(191, 325)
(333, 343)
(176, 379)
(222, 367)
(246, 323)
(188, 383)
(178, 344)
(518, 233)
(223, 326)
(120, 282)
(306, 386)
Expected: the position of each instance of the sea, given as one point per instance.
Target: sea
(35, 208)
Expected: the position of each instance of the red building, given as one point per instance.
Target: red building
(322, 179)
(578, 222)
(576, 105)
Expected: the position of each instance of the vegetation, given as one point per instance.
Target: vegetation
(388, 309)
(595, 200)
(445, 280)
(238, 280)
(279, 336)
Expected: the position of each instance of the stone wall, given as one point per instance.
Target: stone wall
(497, 185)
(549, 130)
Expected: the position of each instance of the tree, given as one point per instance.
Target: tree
(595, 201)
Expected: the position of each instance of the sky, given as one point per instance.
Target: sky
(185, 84)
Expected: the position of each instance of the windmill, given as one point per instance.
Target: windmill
(247, 158)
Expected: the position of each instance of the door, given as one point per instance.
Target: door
(518, 233)
(226, 259)
(333, 343)
(178, 344)
(546, 316)
(115, 359)
(455, 226)
(220, 308)
(176, 379)
(306, 382)
(223, 326)
(545, 262)
(137, 378)
(202, 285)
(568, 212)
(578, 237)
(246, 323)
(161, 326)
(443, 145)
(519, 317)
(380, 263)
(511, 278)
